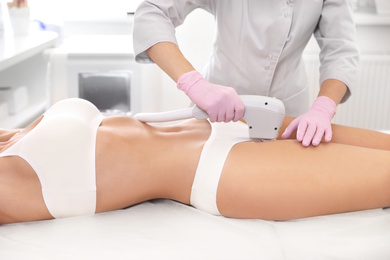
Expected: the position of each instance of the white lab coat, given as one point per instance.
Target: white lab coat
(259, 43)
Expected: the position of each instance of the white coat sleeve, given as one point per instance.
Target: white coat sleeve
(336, 36)
(155, 21)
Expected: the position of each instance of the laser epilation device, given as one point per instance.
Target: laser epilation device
(264, 116)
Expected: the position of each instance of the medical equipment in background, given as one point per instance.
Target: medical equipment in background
(14, 98)
(264, 116)
(2, 15)
(101, 69)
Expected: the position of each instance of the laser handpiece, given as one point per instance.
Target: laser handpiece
(264, 116)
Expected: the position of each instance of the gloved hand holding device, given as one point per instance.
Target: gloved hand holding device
(316, 123)
(221, 103)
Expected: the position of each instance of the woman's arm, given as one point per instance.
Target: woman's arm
(155, 21)
(170, 59)
(333, 89)
(336, 36)
(154, 39)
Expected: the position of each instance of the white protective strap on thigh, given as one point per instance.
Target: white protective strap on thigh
(215, 151)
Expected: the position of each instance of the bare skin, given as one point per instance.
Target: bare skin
(277, 180)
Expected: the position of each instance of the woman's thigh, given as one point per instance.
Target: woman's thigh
(283, 180)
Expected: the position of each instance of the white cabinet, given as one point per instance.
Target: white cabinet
(23, 66)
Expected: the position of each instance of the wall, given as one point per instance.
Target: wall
(60, 10)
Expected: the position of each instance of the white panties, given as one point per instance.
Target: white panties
(61, 150)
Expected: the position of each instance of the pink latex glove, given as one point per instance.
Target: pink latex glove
(313, 125)
(221, 103)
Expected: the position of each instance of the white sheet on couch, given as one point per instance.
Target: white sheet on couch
(164, 229)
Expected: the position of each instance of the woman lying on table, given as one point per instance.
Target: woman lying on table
(72, 162)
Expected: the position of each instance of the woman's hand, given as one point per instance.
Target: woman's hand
(6, 135)
(315, 124)
(221, 103)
